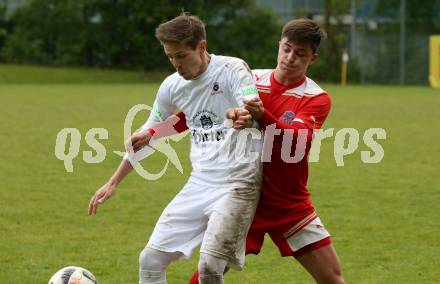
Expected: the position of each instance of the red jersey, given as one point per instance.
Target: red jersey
(304, 105)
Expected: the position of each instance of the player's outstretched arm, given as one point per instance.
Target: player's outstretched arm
(173, 125)
(109, 188)
(139, 140)
(136, 142)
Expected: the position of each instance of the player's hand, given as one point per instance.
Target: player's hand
(255, 107)
(138, 141)
(241, 118)
(231, 114)
(100, 196)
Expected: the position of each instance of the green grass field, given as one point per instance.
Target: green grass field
(384, 217)
(25, 74)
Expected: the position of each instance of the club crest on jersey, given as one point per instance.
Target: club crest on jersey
(288, 117)
(216, 89)
(207, 128)
(206, 119)
(206, 122)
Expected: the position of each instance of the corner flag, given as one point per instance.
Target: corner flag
(434, 61)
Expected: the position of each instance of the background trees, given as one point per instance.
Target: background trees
(120, 33)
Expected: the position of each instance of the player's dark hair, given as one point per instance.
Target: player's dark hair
(186, 29)
(304, 31)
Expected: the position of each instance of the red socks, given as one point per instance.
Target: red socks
(195, 278)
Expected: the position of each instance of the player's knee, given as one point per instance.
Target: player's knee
(206, 267)
(337, 275)
(149, 260)
(151, 267)
(210, 265)
(333, 276)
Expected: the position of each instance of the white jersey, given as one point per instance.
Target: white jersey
(215, 156)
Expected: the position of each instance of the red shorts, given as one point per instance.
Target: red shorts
(292, 239)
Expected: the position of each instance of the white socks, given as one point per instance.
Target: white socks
(152, 265)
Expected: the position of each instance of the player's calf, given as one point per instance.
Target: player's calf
(323, 265)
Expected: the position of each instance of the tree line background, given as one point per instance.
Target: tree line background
(120, 34)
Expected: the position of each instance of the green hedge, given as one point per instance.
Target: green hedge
(120, 34)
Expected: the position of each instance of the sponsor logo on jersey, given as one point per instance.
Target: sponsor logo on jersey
(216, 89)
(249, 91)
(156, 112)
(288, 117)
(204, 121)
(200, 136)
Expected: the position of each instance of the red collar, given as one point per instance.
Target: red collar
(278, 87)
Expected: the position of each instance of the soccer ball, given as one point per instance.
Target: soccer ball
(73, 275)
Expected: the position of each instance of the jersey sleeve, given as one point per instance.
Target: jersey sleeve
(242, 82)
(311, 116)
(173, 125)
(162, 109)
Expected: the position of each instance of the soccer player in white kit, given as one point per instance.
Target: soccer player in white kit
(217, 204)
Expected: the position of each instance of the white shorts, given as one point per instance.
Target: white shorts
(218, 218)
(312, 233)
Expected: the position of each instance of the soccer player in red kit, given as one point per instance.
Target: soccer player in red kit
(294, 104)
